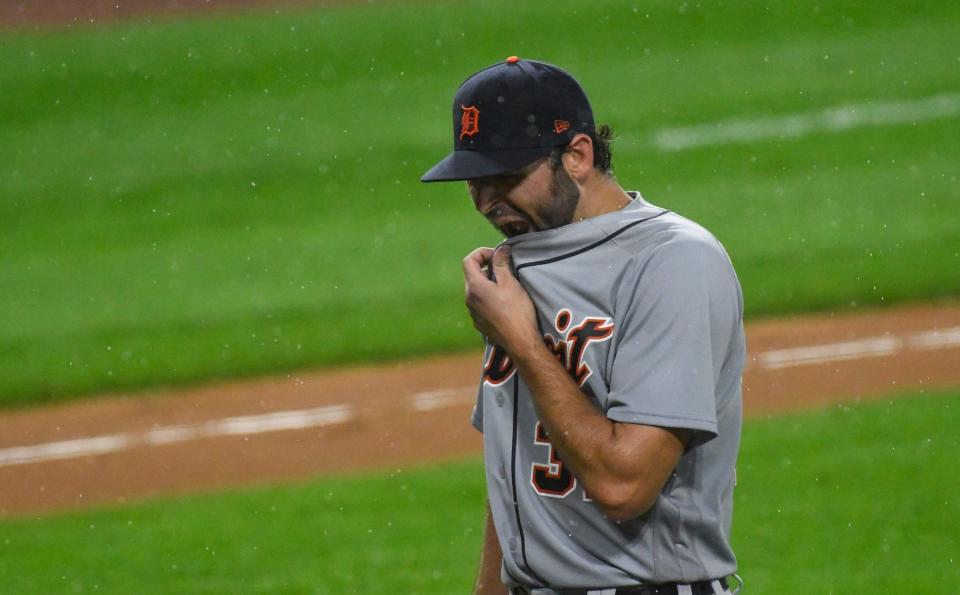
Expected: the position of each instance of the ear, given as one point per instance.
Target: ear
(578, 158)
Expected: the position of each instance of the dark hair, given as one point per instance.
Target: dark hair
(602, 157)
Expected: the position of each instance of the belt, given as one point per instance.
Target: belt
(698, 588)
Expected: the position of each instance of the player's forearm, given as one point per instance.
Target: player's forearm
(618, 474)
(488, 578)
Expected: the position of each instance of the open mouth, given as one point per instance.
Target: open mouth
(515, 228)
(510, 222)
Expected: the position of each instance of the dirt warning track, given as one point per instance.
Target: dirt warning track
(112, 449)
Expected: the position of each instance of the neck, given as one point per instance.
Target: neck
(599, 196)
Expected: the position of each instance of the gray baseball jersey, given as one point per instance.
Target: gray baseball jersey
(644, 310)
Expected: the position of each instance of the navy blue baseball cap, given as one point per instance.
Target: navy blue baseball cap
(509, 115)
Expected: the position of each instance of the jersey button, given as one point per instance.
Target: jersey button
(502, 473)
(500, 400)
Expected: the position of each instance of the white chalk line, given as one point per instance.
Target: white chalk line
(800, 124)
(432, 400)
(67, 449)
(862, 348)
(437, 399)
(251, 424)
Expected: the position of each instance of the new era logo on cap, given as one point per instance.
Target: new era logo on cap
(528, 108)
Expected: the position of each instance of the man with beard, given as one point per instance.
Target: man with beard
(610, 400)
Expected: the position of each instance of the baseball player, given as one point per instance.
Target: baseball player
(610, 394)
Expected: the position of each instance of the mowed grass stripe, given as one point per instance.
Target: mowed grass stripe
(202, 199)
(796, 125)
(850, 499)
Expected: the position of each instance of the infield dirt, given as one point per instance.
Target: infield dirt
(402, 414)
(415, 412)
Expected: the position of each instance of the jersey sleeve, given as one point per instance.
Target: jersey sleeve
(678, 312)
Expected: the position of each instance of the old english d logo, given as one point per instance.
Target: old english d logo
(469, 121)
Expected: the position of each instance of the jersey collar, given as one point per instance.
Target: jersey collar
(549, 243)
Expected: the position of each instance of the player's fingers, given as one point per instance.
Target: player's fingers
(476, 260)
(475, 266)
(481, 254)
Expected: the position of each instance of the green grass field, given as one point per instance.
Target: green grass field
(187, 200)
(853, 499)
(236, 195)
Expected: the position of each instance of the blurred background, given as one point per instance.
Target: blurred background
(217, 204)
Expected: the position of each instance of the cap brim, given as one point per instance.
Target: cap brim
(466, 165)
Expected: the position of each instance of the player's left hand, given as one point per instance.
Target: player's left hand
(498, 304)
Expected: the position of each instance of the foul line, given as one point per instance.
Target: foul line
(437, 399)
(799, 124)
(251, 424)
(871, 347)
(432, 400)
